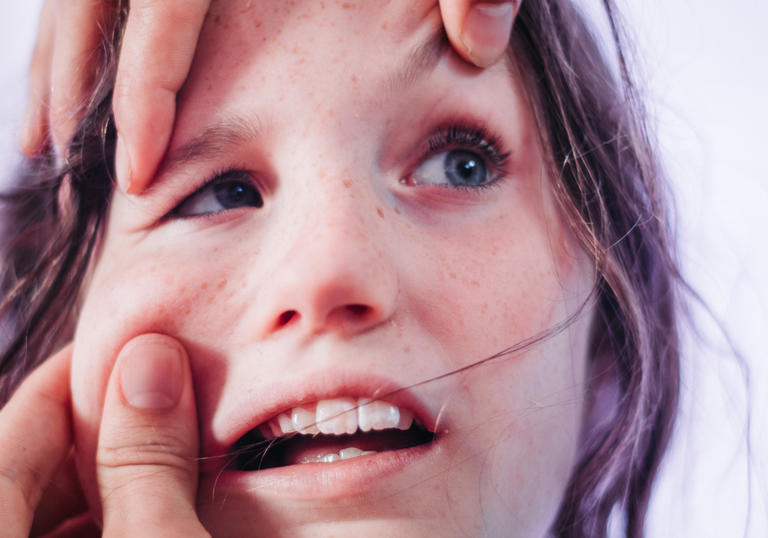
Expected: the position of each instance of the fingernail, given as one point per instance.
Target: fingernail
(123, 166)
(486, 31)
(151, 375)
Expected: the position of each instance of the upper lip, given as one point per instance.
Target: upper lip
(250, 411)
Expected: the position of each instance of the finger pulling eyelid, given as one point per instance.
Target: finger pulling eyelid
(213, 141)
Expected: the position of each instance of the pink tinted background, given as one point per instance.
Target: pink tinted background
(705, 66)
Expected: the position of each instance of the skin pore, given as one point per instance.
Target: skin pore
(348, 273)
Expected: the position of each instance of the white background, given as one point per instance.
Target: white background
(705, 71)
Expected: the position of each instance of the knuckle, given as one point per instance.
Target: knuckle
(14, 494)
(155, 449)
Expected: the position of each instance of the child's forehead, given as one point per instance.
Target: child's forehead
(304, 59)
(283, 37)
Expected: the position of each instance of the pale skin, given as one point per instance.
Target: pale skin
(158, 46)
(424, 235)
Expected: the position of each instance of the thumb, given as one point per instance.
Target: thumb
(148, 443)
(479, 30)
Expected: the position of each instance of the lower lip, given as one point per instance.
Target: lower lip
(322, 481)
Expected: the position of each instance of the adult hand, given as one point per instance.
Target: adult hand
(146, 458)
(156, 55)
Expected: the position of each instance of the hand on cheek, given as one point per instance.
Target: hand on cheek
(148, 443)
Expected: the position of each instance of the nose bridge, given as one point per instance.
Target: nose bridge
(333, 272)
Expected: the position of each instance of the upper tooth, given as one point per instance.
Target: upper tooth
(303, 420)
(284, 423)
(337, 416)
(406, 420)
(377, 415)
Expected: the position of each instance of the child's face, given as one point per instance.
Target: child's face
(314, 273)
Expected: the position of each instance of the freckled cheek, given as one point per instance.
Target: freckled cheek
(139, 297)
(497, 290)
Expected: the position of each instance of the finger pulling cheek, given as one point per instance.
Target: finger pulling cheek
(143, 297)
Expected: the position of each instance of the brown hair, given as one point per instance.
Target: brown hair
(607, 182)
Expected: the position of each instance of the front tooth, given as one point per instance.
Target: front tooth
(303, 420)
(330, 458)
(337, 416)
(377, 415)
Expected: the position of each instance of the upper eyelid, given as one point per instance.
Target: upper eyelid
(211, 180)
(459, 133)
(475, 135)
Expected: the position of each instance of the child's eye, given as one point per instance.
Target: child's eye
(455, 168)
(230, 190)
(460, 157)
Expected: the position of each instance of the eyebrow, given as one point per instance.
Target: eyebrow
(214, 140)
(420, 62)
(237, 130)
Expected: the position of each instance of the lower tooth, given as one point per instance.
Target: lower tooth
(351, 452)
(343, 454)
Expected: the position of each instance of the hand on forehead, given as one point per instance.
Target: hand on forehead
(157, 50)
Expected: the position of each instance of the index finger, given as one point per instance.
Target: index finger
(35, 437)
(155, 57)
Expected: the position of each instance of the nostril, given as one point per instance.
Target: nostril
(357, 310)
(285, 318)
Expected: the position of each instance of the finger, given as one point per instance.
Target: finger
(33, 134)
(35, 437)
(82, 526)
(62, 500)
(158, 46)
(148, 443)
(76, 56)
(479, 30)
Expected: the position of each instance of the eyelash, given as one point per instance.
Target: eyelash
(473, 137)
(464, 135)
(217, 175)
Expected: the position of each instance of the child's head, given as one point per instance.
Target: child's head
(346, 211)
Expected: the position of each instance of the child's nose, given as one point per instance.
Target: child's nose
(336, 276)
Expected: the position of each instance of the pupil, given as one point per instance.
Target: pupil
(464, 168)
(233, 194)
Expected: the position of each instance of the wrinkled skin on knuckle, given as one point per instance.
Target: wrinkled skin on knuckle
(158, 448)
(14, 496)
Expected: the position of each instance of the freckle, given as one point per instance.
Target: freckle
(474, 283)
(204, 286)
(221, 284)
(383, 25)
(452, 275)
(347, 183)
(348, 5)
(217, 19)
(380, 212)
(397, 211)
(407, 349)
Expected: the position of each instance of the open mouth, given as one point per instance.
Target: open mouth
(328, 431)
